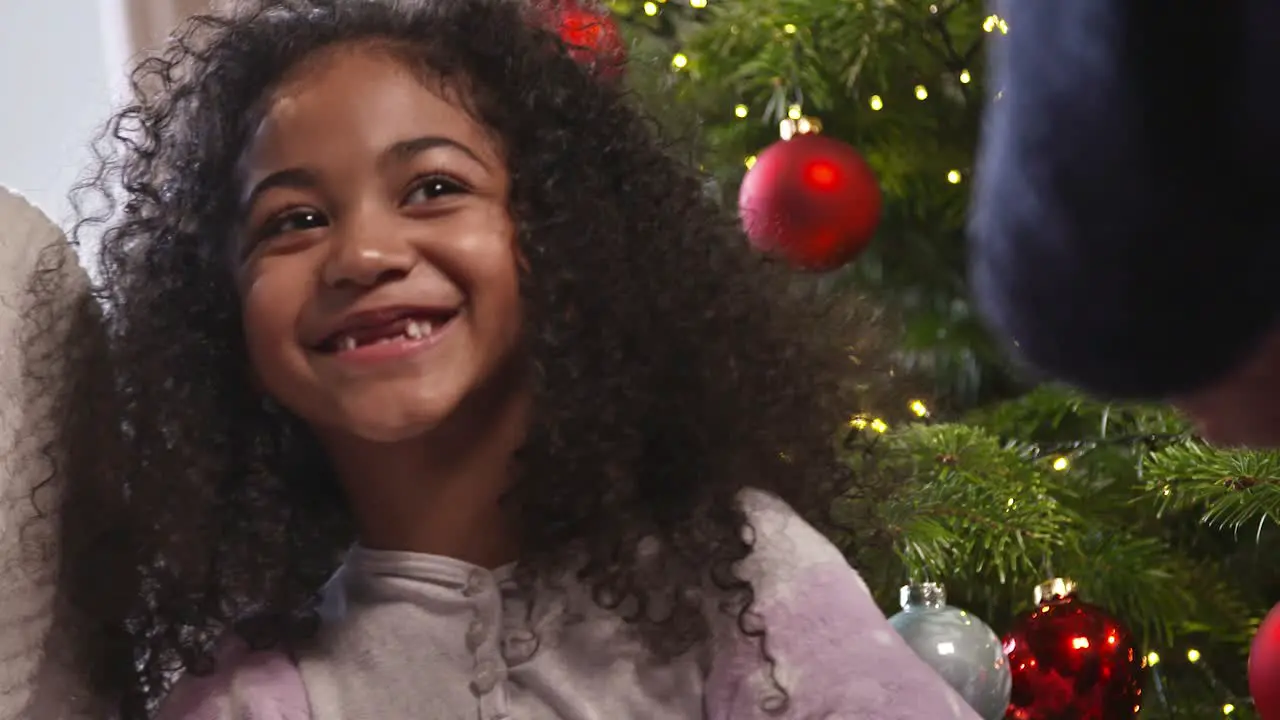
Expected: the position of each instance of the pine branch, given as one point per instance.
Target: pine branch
(1233, 488)
(967, 502)
(976, 510)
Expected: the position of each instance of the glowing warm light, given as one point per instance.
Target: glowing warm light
(921, 92)
(740, 111)
(794, 112)
(1112, 639)
(1228, 709)
(1080, 643)
(650, 9)
(679, 61)
(1193, 655)
(993, 23)
(699, 4)
(965, 77)
(876, 102)
(919, 408)
(858, 422)
(954, 177)
(1061, 464)
(821, 174)
(789, 29)
(879, 425)
(1153, 658)
(749, 161)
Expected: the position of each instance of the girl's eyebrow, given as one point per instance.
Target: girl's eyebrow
(407, 149)
(298, 178)
(399, 152)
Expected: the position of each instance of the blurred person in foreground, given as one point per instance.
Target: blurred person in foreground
(1125, 238)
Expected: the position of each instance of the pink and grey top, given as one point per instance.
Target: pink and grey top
(408, 635)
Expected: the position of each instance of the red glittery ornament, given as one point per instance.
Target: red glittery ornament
(591, 34)
(810, 200)
(1264, 667)
(1072, 661)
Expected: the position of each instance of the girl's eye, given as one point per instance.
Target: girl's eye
(294, 221)
(431, 188)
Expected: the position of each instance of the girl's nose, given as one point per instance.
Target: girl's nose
(368, 254)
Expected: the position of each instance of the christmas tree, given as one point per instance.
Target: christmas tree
(994, 484)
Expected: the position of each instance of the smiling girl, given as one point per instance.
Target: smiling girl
(447, 392)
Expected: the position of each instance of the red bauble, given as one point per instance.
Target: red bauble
(1264, 667)
(591, 34)
(1072, 661)
(812, 201)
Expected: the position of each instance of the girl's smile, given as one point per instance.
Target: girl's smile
(389, 334)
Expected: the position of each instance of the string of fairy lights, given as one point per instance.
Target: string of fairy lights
(796, 123)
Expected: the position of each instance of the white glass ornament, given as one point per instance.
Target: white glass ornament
(959, 646)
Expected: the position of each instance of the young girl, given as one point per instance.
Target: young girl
(443, 391)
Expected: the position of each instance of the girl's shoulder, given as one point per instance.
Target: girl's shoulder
(831, 650)
(263, 685)
(784, 546)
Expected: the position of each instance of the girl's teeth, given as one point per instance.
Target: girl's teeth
(414, 330)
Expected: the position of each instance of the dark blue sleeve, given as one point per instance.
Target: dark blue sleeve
(1125, 225)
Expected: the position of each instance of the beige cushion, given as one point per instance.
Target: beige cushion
(34, 684)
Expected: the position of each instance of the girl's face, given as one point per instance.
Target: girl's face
(377, 263)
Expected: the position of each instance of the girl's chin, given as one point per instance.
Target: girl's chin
(392, 422)
(379, 435)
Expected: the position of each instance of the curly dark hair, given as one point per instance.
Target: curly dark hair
(674, 366)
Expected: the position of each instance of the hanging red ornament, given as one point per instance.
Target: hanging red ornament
(591, 34)
(812, 201)
(1264, 667)
(1072, 661)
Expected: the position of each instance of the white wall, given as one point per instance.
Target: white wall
(63, 66)
(60, 64)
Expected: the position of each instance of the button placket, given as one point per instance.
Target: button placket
(483, 642)
(477, 633)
